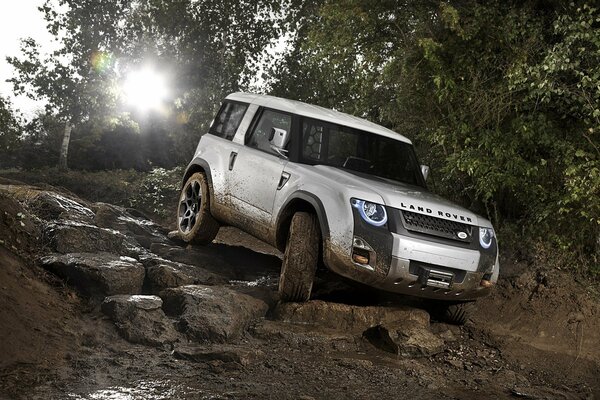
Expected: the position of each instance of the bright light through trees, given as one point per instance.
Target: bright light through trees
(145, 89)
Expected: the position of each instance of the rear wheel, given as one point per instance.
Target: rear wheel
(455, 313)
(195, 224)
(300, 258)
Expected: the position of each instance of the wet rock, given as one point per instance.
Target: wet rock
(97, 274)
(140, 319)
(542, 393)
(75, 237)
(405, 340)
(51, 206)
(447, 332)
(174, 237)
(222, 353)
(265, 294)
(346, 317)
(163, 274)
(237, 262)
(305, 337)
(117, 218)
(212, 313)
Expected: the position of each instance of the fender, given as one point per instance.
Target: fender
(193, 167)
(315, 202)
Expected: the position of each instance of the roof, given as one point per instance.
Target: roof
(316, 112)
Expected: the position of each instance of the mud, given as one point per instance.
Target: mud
(535, 337)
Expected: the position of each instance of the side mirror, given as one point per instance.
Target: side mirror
(279, 139)
(425, 171)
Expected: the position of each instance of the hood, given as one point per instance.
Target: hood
(403, 197)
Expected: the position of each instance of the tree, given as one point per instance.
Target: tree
(500, 97)
(75, 80)
(10, 129)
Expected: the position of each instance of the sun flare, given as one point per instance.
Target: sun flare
(145, 89)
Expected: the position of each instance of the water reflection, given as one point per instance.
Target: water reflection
(145, 390)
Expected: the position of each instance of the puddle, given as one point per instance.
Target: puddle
(268, 280)
(146, 390)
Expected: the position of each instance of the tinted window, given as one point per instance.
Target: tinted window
(228, 119)
(259, 138)
(359, 151)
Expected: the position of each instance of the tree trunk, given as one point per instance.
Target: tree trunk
(64, 149)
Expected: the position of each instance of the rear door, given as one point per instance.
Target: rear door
(258, 169)
(217, 146)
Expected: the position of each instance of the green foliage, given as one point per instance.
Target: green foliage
(10, 130)
(208, 48)
(501, 98)
(158, 192)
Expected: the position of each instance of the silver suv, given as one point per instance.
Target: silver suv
(325, 186)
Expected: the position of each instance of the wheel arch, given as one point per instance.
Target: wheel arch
(197, 165)
(299, 201)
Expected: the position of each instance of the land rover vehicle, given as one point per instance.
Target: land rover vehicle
(323, 186)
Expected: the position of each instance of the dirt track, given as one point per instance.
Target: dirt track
(536, 337)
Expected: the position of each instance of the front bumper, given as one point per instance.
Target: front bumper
(413, 259)
(402, 279)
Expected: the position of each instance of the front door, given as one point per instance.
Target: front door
(257, 170)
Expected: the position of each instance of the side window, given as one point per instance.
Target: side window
(312, 139)
(228, 119)
(259, 137)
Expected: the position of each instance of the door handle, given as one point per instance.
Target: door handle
(232, 158)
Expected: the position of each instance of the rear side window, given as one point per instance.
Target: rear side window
(228, 119)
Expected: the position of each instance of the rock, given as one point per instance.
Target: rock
(174, 237)
(97, 274)
(212, 313)
(542, 393)
(456, 363)
(406, 340)
(76, 237)
(305, 337)
(52, 206)
(117, 218)
(447, 332)
(163, 274)
(235, 262)
(140, 319)
(226, 354)
(346, 317)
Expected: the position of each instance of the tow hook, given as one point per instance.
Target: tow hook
(486, 283)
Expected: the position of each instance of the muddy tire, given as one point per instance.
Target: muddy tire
(195, 224)
(456, 314)
(300, 258)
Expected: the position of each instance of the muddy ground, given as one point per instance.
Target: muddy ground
(96, 302)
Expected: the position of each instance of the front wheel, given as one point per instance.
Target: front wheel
(452, 313)
(195, 224)
(300, 258)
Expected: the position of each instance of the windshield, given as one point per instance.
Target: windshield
(364, 152)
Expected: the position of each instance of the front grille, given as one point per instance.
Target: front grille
(436, 226)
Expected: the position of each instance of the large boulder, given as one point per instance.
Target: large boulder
(76, 237)
(140, 319)
(163, 274)
(52, 206)
(117, 218)
(212, 313)
(235, 262)
(348, 318)
(405, 340)
(97, 274)
(306, 337)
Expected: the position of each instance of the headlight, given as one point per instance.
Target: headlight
(372, 213)
(485, 237)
